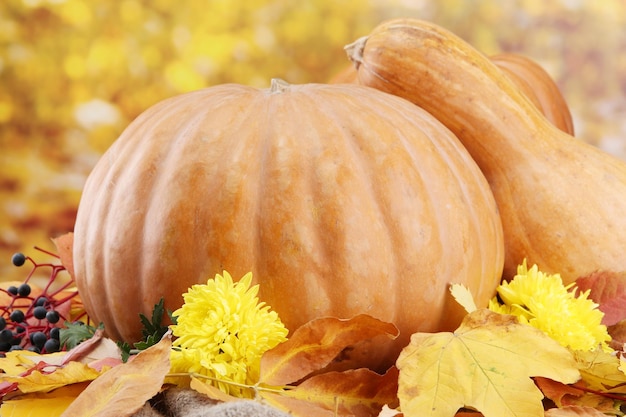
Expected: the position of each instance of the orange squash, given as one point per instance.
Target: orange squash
(528, 76)
(535, 82)
(340, 199)
(561, 200)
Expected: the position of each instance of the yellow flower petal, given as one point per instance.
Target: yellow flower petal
(223, 330)
(542, 301)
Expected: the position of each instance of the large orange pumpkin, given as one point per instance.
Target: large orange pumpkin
(340, 199)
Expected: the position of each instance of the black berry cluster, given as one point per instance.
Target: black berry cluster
(33, 323)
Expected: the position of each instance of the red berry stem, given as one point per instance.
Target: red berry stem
(26, 322)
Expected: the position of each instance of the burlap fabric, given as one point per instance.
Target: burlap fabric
(176, 402)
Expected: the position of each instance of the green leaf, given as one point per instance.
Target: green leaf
(126, 350)
(153, 331)
(74, 333)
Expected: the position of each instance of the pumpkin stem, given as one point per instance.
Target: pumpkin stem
(278, 85)
(355, 51)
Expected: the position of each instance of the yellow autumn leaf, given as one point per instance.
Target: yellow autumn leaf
(38, 381)
(16, 362)
(125, 388)
(49, 407)
(210, 391)
(463, 296)
(486, 365)
(600, 370)
(355, 393)
(51, 404)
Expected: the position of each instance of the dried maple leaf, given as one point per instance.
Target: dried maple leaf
(557, 392)
(608, 289)
(486, 364)
(301, 376)
(357, 393)
(600, 370)
(317, 343)
(124, 389)
(602, 385)
(574, 411)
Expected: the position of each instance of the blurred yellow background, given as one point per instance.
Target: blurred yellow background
(74, 73)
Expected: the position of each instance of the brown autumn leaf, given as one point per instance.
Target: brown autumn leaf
(64, 245)
(574, 411)
(575, 396)
(358, 392)
(317, 343)
(125, 389)
(617, 332)
(608, 289)
(601, 382)
(556, 391)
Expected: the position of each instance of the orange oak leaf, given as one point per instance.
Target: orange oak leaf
(486, 365)
(316, 344)
(557, 391)
(125, 389)
(64, 245)
(608, 289)
(574, 411)
(601, 387)
(358, 392)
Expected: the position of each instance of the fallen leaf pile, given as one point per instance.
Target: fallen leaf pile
(492, 366)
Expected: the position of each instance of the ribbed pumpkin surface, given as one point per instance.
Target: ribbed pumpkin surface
(340, 199)
(562, 201)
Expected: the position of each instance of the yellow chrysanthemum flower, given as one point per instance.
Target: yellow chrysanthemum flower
(542, 301)
(222, 331)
